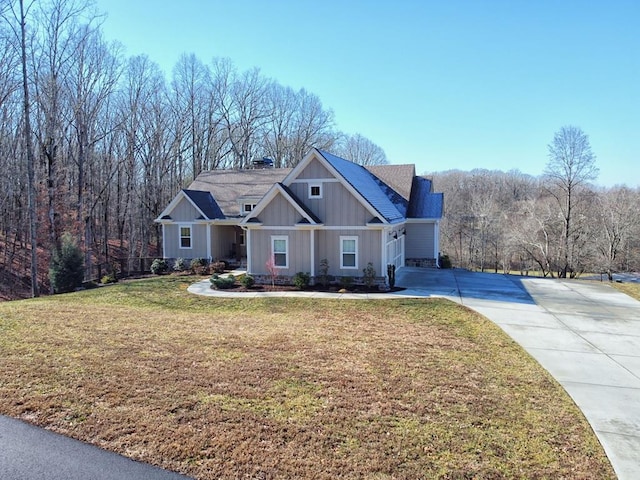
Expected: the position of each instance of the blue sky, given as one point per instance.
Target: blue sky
(442, 84)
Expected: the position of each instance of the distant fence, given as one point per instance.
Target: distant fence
(122, 267)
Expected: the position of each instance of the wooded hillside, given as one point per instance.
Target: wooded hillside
(497, 221)
(113, 138)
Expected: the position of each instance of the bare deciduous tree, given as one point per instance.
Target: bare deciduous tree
(571, 166)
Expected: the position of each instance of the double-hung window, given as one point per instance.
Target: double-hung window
(349, 252)
(280, 251)
(185, 236)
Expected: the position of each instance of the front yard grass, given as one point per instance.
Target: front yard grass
(290, 388)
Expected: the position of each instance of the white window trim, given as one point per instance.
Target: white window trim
(311, 186)
(180, 237)
(286, 247)
(342, 252)
(244, 211)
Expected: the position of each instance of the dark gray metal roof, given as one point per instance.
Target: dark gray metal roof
(424, 203)
(206, 203)
(384, 199)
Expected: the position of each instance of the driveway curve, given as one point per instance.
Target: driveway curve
(585, 333)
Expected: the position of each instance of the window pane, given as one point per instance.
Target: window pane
(349, 246)
(349, 260)
(279, 246)
(315, 191)
(185, 242)
(280, 259)
(185, 231)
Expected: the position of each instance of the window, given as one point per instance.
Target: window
(185, 236)
(242, 238)
(348, 252)
(280, 251)
(248, 207)
(315, 190)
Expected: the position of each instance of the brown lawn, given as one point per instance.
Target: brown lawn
(289, 388)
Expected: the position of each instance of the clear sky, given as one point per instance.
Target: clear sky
(458, 84)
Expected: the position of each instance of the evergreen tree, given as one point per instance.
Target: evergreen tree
(66, 271)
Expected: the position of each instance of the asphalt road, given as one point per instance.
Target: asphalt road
(31, 453)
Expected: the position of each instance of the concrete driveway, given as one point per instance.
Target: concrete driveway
(586, 334)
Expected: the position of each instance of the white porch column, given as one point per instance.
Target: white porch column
(164, 244)
(209, 227)
(383, 257)
(312, 246)
(247, 240)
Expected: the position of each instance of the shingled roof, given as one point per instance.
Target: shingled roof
(205, 202)
(230, 186)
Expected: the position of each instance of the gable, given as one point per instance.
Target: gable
(315, 170)
(183, 210)
(280, 212)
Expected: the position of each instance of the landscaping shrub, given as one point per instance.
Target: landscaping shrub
(218, 267)
(247, 281)
(200, 266)
(222, 283)
(346, 282)
(369, 275)
(159, 266)
(66, 271)
(324, 272)
(391, 273)
(444, 261)
(301, 280)
(109, 278)
(180, 265)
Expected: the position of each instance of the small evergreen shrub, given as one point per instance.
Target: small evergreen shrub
(222, 283)
(179, 265)
(159, 266)
(369, 275)
(66, 271)
(391, 273)
(444, 261)
(247, 281)
(301, 280)
(324, 272)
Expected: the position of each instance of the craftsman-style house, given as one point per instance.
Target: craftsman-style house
(326, 211)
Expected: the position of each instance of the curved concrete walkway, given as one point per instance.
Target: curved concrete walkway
(586, 334)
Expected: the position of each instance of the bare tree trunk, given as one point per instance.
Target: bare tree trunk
(33, 220)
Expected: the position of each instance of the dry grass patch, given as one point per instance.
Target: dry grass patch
(631, 289)
(290, 388)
